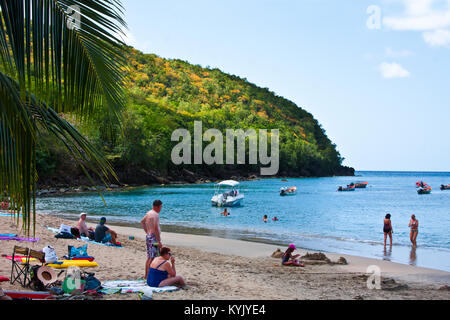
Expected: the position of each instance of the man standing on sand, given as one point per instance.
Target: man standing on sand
(150, 223)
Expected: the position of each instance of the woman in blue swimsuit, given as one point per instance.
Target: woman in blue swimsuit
(162, 273)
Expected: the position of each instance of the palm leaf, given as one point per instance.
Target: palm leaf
(49, 67)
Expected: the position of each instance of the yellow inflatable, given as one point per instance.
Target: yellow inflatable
(63, 264)
(76, 263)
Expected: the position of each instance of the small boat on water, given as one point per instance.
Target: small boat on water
(423, 188)
(230, 198)
(421, 184)
(426, 190)
(292, 191)
(361, 184)
(350, 187)
(447, 187)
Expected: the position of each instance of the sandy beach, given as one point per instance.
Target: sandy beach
(224, 269)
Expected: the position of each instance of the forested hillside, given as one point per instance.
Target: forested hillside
(164, 95)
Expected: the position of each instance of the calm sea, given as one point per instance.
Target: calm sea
(317, 218)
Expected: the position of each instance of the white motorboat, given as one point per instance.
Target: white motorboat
(292, 191)
(230, 198)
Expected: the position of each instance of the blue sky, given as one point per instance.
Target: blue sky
(374, 73)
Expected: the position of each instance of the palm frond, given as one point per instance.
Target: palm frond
(48, 67)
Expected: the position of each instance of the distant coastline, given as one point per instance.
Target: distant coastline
(183, 177)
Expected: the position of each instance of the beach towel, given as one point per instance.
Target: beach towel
(8, 215)
(132, 286)
(19, 239)
(8, 235)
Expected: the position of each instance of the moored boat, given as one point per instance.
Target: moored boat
(426, 190)
(350, 187)
(361, 184)
(292, 191)
(230, 198)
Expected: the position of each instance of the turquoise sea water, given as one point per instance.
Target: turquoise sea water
(317, 218)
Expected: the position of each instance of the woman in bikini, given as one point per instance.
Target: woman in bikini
(414, 225)
(162, 273)
(387, 229)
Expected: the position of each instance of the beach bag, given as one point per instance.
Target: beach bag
(75, 232)
(64, 235)
(50, 254)
(92, 283)
(78, 252)
(35, 283)
(65, 229)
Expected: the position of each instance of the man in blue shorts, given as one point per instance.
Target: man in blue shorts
(103, 234)
(150, 223)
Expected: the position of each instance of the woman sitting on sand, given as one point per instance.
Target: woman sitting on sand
(414, 225)
(162, 273)
(290, 260)
(387, 229)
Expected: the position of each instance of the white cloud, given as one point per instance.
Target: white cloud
(430, 21)
(437, 38)
(393, 70)
(395, 54)
(431, 17)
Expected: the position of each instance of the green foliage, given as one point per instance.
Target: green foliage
(164, 95)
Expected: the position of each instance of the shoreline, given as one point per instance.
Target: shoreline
(249, 249)
(226, 269)
(239, 235)
(56, 190)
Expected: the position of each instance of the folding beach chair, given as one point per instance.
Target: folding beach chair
(19, 270)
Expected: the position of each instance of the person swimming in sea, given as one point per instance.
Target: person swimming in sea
(265, 218)
(275, 219)
(414, 225)
(387, 229)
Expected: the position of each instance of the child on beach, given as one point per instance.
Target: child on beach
(387, 229)
(414, 225)
(290, 260)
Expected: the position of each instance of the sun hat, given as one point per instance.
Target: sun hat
(83, 214)
(47, 275)
(291, 246)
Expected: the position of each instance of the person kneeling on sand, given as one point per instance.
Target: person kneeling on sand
(162, 273)
(290, 260)
(103, 234)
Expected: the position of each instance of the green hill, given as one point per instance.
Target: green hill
(164, 95)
